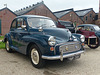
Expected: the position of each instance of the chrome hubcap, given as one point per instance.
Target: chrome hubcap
(35, 56)
(7, 46)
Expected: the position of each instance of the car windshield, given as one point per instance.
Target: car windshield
(40, 22)
(96, 28)
(66, 24)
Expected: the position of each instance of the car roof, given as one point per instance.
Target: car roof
(30, 16)
(87, 25)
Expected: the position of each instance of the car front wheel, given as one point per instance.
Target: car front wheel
(35, 57)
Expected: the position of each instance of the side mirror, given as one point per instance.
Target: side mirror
(40, 29)
(23, 26)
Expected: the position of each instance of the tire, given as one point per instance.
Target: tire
(8, 49)
(35, 57)
(94, 46)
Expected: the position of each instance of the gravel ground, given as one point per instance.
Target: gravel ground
(18, 64)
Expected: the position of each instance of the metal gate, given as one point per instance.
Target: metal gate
(0, 26)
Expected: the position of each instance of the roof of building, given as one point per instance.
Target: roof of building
(27, 9)
(83, 12)
(7, 9)
(61, 13)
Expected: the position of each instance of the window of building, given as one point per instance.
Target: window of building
(90, 15)
(86, 18)
(0, 26)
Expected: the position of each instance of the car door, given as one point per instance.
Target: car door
(88, 31)
(92, 31)
(18, 35)
(12, 33)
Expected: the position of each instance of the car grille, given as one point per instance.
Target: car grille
(70, 47)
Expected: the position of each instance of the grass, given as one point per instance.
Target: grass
(1, 37)
(2, 45)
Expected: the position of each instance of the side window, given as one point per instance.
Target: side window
(91, 29)
(13, 26)
(87, 28)
(81, 28)
(20, 23)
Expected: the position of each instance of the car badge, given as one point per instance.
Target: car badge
(76, 47)
(66, 48)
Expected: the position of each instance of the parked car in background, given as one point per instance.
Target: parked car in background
(38, 37)
(66, 24)
(91, 33)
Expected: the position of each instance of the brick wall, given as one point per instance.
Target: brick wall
(72, 17)
(99, 10)
(98, 21)
(90, 18)
(42, 10)
(6, 18)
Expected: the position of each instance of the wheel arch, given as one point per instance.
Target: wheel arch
(28, 47)
(7, 37)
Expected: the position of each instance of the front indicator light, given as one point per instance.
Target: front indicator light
(83, 44)
(52, 48)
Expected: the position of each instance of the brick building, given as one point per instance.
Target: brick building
(68, 15)
(6, 17)
(99, 10)
(37, 9)
(98, 21)
(87, 15)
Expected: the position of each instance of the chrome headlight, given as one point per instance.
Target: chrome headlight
(82, 38)
(51, 41)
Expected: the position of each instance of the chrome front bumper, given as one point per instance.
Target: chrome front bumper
(62, 56)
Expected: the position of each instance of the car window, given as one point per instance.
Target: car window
(96, 28)
(13, 26)
(91, 29)
(20, 22)
(81, 28)
(87, 28)
(66, 24)
(38, 22)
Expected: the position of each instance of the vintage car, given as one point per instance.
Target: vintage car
(91, 33)
(66, 24)
(38, 37)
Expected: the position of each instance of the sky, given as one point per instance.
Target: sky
(53, 5)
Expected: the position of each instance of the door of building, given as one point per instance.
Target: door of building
(0, 26)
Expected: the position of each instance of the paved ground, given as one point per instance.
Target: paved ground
(18, 64)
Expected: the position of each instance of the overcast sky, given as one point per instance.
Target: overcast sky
(54, 5)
